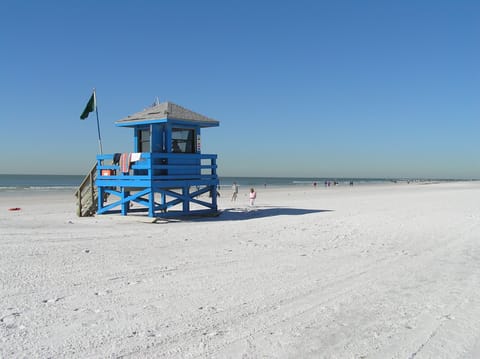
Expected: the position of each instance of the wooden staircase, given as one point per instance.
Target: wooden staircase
(87, 195)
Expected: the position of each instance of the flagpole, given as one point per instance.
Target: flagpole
(98, 123)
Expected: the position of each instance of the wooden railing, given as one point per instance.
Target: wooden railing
(160, 167)
(86, 194)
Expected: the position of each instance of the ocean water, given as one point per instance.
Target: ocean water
(71, 182)
(12, 182)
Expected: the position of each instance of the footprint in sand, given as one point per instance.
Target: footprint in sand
(9, 320)
(52, 300)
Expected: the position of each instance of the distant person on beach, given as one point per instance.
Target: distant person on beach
(235, 191)
(253, 195)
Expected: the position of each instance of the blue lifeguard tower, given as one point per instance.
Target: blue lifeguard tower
(165, 175)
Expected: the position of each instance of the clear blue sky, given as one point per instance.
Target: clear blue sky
(301, 88)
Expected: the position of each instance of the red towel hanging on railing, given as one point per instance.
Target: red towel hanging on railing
(125, 162)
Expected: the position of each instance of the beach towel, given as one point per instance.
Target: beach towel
(125, 162)
(134, 157)
(116, 158)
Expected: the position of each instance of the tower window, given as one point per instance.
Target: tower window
(183, 140)
(144, 140)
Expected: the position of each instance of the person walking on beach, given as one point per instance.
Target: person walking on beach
(253, 195)
(235, 191)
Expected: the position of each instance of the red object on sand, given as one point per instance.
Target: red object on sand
(14, 209)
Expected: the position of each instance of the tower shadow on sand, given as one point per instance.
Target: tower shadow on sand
(241, 214)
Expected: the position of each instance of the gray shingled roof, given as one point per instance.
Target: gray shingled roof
(167, 110)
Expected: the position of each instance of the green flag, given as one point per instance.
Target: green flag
(90, 107)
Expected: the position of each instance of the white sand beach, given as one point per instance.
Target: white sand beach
(374, 271)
